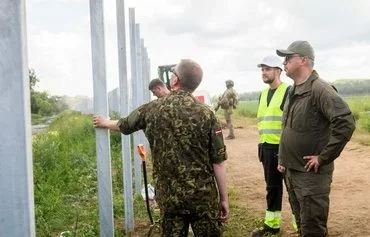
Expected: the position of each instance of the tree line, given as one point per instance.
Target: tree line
(345, 87)
(42, 103)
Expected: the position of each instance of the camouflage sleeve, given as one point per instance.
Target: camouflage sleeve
(217, 149)
(135, 121)
(223, 100)
(227, 98)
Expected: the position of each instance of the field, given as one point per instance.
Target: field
(66, 183)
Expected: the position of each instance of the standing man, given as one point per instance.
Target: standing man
(317, 124)
(228, 102)
(269, 116)
(188, 155)
(158, 88)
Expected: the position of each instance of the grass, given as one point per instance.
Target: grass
(65, 177)
(65, 184)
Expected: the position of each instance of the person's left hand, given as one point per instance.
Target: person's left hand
(312, 162)
(100, 121)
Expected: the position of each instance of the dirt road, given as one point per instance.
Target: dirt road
(350, 195)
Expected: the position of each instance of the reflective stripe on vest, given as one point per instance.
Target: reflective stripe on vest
(270, 117)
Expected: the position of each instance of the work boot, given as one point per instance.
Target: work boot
(264, 231)
(229, 137)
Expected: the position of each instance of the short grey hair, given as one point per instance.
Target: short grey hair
(311, 63)
(190, 74)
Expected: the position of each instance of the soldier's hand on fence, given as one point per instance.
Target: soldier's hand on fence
(100, 121)
(312, 162)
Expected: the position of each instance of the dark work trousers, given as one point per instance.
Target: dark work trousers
(309, 198)
(268, 155)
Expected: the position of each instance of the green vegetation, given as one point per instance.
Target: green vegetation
(247, 108)
(360, 107)
(65, 183)
(65, 179)
(42, 104)
(352, 87)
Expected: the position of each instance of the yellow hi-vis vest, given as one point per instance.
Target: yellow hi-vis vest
(270, 117)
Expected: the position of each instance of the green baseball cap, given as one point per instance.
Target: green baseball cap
(298, 47)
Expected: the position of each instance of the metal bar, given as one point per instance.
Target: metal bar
(135, 97)
(139, 88)
(124, 109)
(17, 217)
(101, 108)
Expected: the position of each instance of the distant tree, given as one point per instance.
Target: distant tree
(352, 87)
(41, 102)
(33, 78)
(247, 96)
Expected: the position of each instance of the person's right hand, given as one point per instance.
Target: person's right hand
(100, 121)
(281, 168)
(224, 211)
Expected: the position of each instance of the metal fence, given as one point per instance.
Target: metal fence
(17, 217)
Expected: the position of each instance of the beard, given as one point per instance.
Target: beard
(268, 80)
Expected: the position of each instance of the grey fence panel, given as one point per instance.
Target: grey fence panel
(101, 108)
(124, 108)
(135, 96)
(17, 217)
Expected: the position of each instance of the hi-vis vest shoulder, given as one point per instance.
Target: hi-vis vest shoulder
(270, 117)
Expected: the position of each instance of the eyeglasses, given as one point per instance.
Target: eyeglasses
(289, 57)
(173, 70)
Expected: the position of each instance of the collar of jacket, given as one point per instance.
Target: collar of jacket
(307, 85)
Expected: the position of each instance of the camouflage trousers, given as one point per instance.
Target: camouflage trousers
(309, 198)
(229, 122)
(177, 225)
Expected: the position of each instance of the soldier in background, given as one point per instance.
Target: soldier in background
(188, 154)
(228, 102)
(158, 88)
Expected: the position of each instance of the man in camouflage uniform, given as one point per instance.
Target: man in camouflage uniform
(188, 155)
(317, 124)
(158, 88)
(228, 102)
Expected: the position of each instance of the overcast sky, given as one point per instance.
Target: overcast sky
(227, 37)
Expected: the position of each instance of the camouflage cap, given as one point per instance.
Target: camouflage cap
(298, 47)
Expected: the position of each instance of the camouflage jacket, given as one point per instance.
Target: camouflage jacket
(185, 140)
(229, 99)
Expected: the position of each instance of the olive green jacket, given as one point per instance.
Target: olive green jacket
(316, 121)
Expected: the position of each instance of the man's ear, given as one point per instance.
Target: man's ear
(176, 82)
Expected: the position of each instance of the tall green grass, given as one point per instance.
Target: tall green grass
(247, 108)
(360, 107)
(65, 179)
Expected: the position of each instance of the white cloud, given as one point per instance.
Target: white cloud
(228, 38)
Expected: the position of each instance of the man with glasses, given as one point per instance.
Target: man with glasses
(317, 124)
(188, 154)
